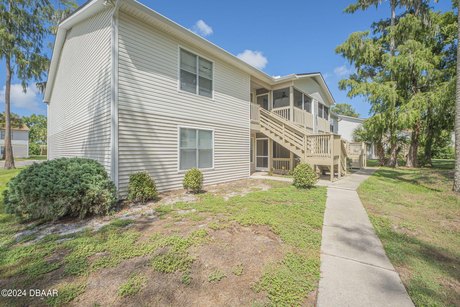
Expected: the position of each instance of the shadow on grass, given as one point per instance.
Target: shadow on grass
(422, 180)
(409, 252)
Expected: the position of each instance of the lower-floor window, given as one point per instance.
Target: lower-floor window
(195, 148)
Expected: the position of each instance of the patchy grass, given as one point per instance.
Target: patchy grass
(132, 286)
(67, 293)
(416, 215)
(170, 252)
(216, 275)
(238, 270)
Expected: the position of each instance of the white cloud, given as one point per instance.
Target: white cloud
(202, 28)
(254, 58)
(342, 71)
(29, 101)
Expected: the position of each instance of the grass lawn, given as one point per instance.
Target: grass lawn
(30, 158)
(260, 247)
(417, 217)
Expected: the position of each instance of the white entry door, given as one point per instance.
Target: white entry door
(262, 154)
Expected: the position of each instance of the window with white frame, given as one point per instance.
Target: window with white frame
(195, 74)
(195, 148)
(307, 103)
(326, 113)
(302, 101)
(320, 110)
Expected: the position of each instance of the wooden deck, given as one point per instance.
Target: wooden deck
(326, 152)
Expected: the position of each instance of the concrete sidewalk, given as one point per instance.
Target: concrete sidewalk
(355, 270)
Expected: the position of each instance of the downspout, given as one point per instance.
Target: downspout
(114, 95)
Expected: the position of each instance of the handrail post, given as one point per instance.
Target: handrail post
(331, 152)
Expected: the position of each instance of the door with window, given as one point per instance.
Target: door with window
(262, 154)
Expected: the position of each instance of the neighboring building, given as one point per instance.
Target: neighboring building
(347, 125)
(136, 91)
(19, 141)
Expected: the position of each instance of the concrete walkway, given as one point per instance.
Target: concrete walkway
(355, 270)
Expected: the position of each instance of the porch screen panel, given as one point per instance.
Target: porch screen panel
(298, 99)
(326, 112)
(281, 98)
(307, 103)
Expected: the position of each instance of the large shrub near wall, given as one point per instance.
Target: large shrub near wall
(193, 180)
(141, 188)
(304, 176)
(50, 190)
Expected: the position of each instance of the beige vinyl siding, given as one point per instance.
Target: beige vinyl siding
(151, 108)
(79, 112)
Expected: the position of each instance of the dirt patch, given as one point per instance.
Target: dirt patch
(237, 188)
(139, 211)
(239, 253)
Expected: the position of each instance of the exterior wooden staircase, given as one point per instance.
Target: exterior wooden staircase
(327, 152)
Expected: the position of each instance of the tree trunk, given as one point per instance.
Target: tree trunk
(380, 152)
(392, 23)
(393, 160)
(456, 187)
(9, 160)
(428, 157)
(411, 159)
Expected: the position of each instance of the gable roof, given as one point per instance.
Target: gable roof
(351, 118)
(93, 7)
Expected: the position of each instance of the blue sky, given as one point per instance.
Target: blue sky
(292, 36)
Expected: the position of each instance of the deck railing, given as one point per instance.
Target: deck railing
(323, 125)
(282, 165)
(317, 149)
(284, 112)
(318, 145)
(357, 154)
(255, 114)
(303, 118)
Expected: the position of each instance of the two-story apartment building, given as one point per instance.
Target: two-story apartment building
(136, 91)
(19, 141)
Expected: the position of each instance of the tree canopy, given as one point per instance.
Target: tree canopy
(406, 71)
(344, 109)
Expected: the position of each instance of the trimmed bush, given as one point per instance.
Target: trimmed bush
(193, 180)
(304, 176)
(141, 188)
(65, 187)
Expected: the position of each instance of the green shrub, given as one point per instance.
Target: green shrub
(193, 180)
(34, 149)
(141, 188)
(304, 176)
(50, 190)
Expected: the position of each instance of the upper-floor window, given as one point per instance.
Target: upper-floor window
(326, 113)
(195, 148)
(195, 74)
(281, 98)
(307, 103)
(302, 101)
(323, 111)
